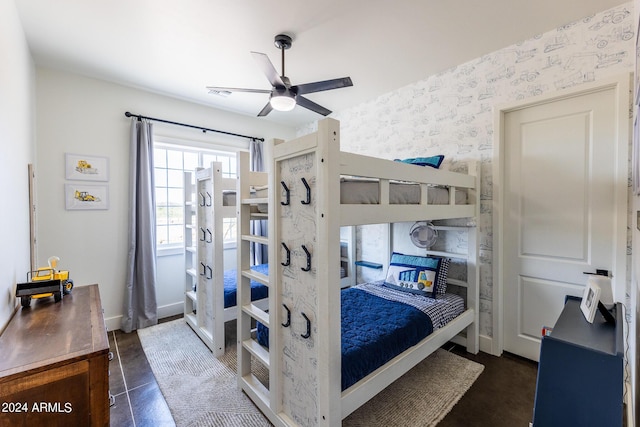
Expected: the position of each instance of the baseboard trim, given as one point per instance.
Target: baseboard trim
(171, 309)
(486, 344)
(113, 323)
(168, 310)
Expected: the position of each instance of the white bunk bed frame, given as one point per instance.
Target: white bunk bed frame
(304, 359)
(209, 295)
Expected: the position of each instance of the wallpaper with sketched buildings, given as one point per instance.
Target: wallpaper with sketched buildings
(451, 113)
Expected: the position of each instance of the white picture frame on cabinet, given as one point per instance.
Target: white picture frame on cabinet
(590, 299)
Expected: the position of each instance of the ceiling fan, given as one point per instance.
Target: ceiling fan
(283, 95)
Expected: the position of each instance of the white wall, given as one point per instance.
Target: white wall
(17, 150)
(76, 114)
(451, 113)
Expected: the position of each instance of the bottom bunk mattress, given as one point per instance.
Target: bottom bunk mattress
(379, 323)
(258, 290)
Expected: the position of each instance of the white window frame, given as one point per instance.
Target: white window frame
(201, 149)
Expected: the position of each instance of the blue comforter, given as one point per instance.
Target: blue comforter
(374, 331)
(258, 290)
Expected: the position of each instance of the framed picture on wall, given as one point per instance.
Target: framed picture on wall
(81, 167)
(80, 196)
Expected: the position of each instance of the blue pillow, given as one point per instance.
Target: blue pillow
(433, 161)
(416, 274)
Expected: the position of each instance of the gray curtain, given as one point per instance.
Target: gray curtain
(140, 306)
(259, 228)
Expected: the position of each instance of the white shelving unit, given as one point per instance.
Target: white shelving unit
(469, 257)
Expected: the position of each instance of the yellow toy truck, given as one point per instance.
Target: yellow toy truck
(45, 282)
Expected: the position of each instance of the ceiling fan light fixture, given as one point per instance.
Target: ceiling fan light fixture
(282, 101)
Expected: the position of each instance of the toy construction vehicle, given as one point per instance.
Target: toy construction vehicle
(45, 282)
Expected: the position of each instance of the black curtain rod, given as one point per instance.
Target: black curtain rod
(128, 114)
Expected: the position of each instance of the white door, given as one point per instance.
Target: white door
(559, 213)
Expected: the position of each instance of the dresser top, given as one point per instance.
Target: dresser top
(49, 333)
(600, 336)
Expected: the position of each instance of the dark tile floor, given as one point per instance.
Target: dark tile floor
(502, 396)
(138, 400)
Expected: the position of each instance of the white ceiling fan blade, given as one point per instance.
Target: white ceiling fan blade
(268, 69)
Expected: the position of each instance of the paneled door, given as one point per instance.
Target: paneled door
(559, 217)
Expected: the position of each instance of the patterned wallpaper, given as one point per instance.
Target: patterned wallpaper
(451, 113)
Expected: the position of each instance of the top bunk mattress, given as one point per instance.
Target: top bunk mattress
(362, 191)
(357, 191)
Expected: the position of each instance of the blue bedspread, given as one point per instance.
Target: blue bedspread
(258, 290)
(374, 331)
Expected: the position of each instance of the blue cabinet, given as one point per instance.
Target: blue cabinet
(580, 373)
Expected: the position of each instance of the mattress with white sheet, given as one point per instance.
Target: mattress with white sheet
(356, 191)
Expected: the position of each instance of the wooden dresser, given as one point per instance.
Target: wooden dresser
(54, 363)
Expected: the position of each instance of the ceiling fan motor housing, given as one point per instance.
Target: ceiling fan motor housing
(283, 41)
(283, 91)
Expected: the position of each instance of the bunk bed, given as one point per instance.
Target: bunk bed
(211, 291)
(306, 306)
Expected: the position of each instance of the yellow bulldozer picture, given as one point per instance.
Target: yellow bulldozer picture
(45, 282)
(85, 167)
(84, 196)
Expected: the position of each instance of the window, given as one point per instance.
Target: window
(171, 161)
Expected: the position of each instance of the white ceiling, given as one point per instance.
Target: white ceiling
(177, 48)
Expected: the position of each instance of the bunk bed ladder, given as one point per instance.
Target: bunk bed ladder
(248, 312)
(304, 387)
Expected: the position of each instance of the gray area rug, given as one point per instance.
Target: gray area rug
(203, 391)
